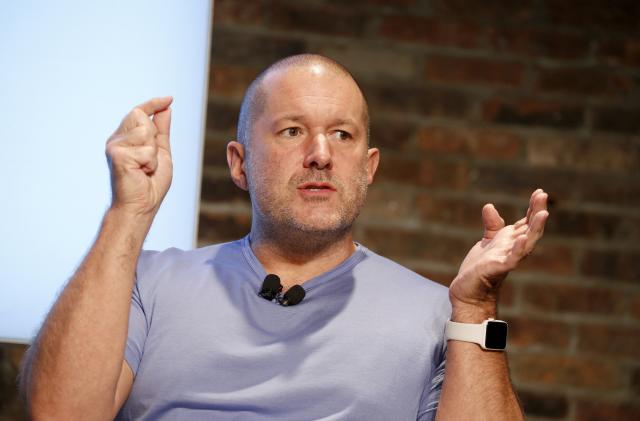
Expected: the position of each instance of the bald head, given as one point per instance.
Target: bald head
(255, 98)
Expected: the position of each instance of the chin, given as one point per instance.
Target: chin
(322, 224)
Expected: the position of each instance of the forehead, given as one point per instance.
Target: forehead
(314, 91)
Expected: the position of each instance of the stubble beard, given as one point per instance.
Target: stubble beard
(275, 220)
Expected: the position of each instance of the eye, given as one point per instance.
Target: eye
(291, 132)
(342, 135)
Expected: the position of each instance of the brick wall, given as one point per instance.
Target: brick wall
(475, 101)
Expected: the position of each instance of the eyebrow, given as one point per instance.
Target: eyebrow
(301, 118)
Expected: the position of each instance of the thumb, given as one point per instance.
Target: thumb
(491, 220)
(162, 120)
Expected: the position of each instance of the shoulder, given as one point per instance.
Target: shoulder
(169, 268)
(151, 261)
(404, 283)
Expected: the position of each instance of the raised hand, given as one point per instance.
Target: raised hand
(139, 158)
(474, 291)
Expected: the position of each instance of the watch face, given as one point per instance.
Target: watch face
(496, 337)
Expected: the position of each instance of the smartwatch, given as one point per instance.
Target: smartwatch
(491, 334)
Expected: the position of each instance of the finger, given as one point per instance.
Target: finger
(141, 135)
(519, 250)
(538, 222)
(491, 220)
(136, 118)
(162, 121)
(536, 229)
(155, 105)
(539, 203)
(520, 222)
(531, 201)
(145, 158)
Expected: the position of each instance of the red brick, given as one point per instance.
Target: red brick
(549, 258)
(484, 143)
(445, 140)
(625, 51)
(461, 211)
(613, 14)
(230, 81)
(584, 81)
(496, 11)
(258, 50)
(562, 298)
(367, 61)
(398, 168)
(622, 265)
(617, 119)
(216, 189)
(635, 306)
(543, 404)
(507, 295)
(562, 184)
(218, 228)
(528, 332)
(215, 154)
(304, 17)
(602, 153)
(593, 226)
(389, 3)
(598, 410)
(430, 31)
(533, 112)
(473, 71)
(233, 12)
(497, 144)
(391, 134)
(612, 341)
(408, 99)
(548, 43)
(388, 203)
(442, 277)
(564, 370)
(438, 173)
(222, 116)
(405, 244)
(635, 381)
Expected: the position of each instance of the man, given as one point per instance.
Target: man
(198, 342)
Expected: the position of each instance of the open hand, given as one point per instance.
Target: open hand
(475, 289)
(139, 157)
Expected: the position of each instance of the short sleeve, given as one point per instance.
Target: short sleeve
(431, 394)
(138, 327)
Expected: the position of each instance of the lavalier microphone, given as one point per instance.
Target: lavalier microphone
(272, 289)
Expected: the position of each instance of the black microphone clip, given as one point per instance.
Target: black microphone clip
(272, 289)
(293, 296)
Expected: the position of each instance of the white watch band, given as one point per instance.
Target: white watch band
(467, 332)
(475, 333)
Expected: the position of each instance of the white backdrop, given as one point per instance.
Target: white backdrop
(69, 71)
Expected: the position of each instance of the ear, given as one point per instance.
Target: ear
(373, 158)
(235, 159)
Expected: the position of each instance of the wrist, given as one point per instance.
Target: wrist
(473, 313)
(132, 225)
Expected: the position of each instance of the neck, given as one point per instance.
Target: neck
(299, 256)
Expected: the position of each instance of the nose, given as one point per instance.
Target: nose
(318, 153)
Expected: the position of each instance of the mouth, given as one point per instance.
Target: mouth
(317, 187)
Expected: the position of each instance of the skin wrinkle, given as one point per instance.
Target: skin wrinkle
(274, 199)
(254, 100)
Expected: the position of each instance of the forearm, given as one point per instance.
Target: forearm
(76, 360)
(476, 382)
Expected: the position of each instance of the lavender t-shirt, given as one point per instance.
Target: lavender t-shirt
(366, 343)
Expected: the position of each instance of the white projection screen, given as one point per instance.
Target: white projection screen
(70, 70)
